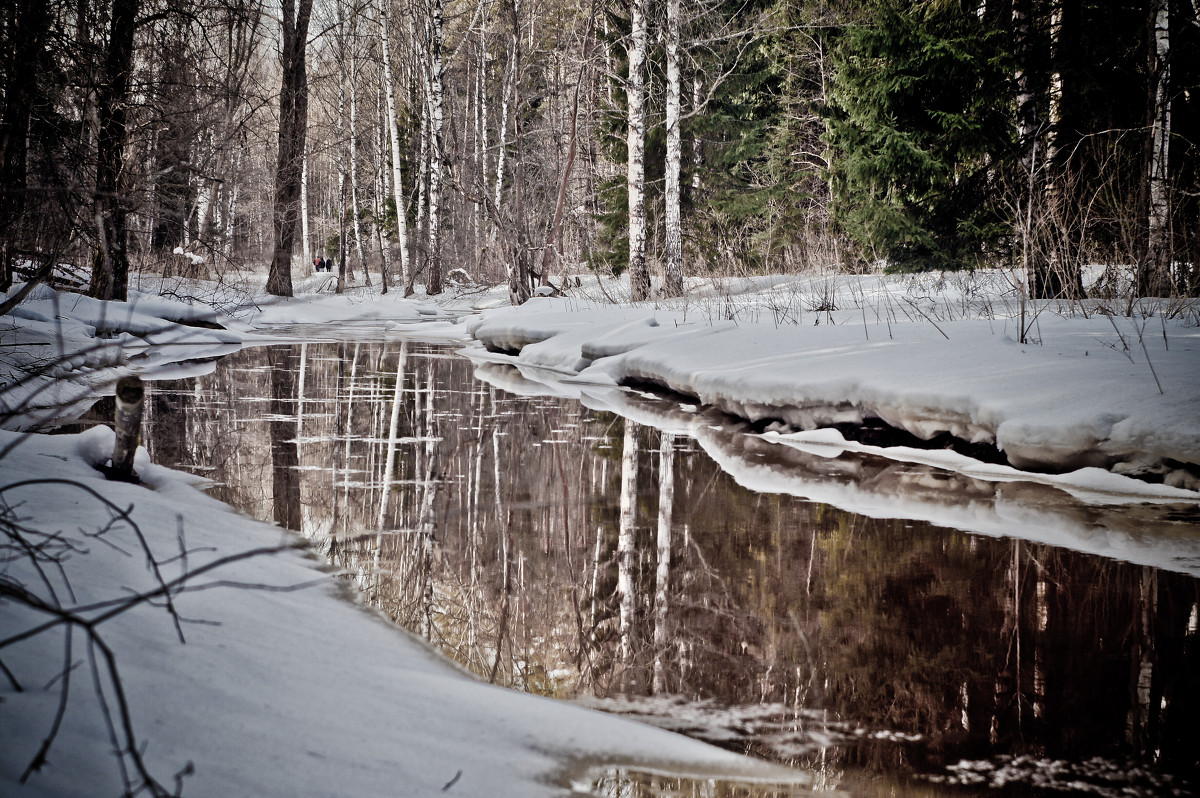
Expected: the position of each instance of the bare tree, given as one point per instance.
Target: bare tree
(110, 263)
(394, 139)
(293, 127)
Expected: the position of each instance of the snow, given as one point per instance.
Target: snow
(60, 351)
(1087, 394)
(279, 686)
(274, 682)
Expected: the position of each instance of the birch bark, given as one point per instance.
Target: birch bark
(1158, 270)
(639, 276)
(433, 284)
(673, 260)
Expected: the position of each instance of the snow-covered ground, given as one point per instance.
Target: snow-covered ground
(258, 678)
(1060, 393)
(269, 682)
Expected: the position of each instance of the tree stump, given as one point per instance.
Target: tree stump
(130, 395)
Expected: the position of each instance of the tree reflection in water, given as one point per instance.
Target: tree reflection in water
(541, 545)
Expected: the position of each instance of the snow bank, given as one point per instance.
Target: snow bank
(1090, 511)
(283, 686)
(59, 352)
(1087, 394)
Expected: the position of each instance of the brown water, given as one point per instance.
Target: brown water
(554, 546)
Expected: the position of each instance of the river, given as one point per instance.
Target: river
(640, 555)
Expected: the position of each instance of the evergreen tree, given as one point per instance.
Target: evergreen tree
(919, 121)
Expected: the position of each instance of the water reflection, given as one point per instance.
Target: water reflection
(556, 547)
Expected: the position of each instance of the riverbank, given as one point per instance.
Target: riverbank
(227, 657)
(1088, 393)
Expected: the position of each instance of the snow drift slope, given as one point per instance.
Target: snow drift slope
(1085, 396)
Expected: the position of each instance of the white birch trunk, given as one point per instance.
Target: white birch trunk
(231, 209)
(304, 236)
(673, 260)
(394, 137)
(433, 283)
(343, 272)
(505, 99)
(1159, 266)
(1056, 89)
(696, 152)
(423, 160)
(481, 134)
(639, 276)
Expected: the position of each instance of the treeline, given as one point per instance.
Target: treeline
(415, 141)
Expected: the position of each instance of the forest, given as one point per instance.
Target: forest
(426, 142)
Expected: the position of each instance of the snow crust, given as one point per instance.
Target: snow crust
(1086, 394)
(280, 685)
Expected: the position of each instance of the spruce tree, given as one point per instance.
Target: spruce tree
(919, 121)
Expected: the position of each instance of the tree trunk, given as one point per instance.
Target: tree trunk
(110, 267)
(128, 428)
(1157, 278)
(556, 223)
(358, 244)
(433, 283)
(305, 234)
(519, 289)
(505, 99)
(394, 138)
(31, 22)
(639, 276)
(343, 166)
(421, 232)
(1026, 99)
(1055, 272)
(293, 128)
(673, 260)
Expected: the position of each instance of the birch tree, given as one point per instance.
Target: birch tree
(437, 89)
(673, 255)
(1157, 279)
(639, 275)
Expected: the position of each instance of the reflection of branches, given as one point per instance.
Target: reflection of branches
(46, 553)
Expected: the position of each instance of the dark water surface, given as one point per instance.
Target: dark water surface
(554, 546)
